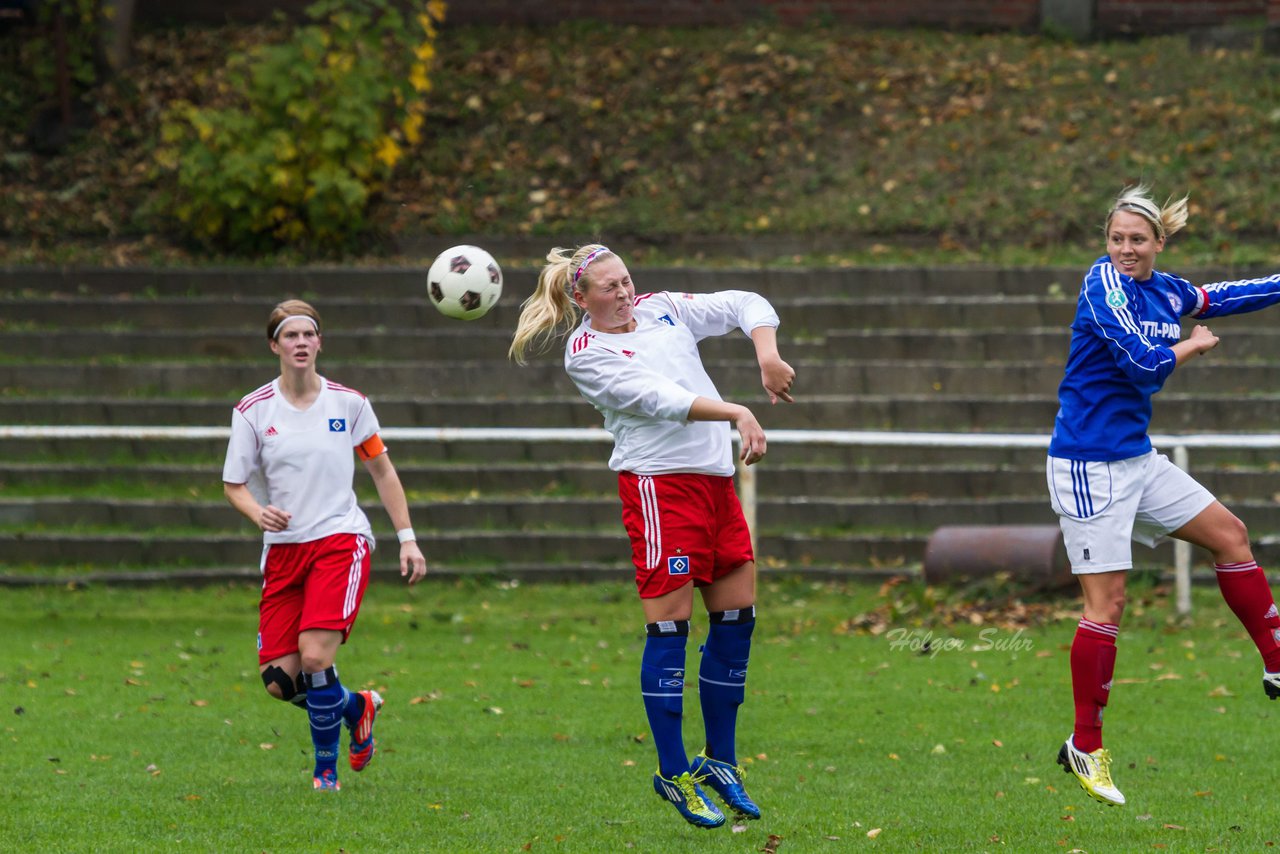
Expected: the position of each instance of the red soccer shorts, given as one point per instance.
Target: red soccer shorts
(313, 585)
(683, 527)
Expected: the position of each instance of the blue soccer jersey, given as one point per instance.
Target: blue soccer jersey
(1121, 354)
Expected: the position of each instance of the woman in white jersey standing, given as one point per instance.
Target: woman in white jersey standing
(300, 433)
(1106, 483)
(636, 359)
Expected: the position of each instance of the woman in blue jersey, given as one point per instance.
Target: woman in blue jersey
(1106, 483)
(636, 359)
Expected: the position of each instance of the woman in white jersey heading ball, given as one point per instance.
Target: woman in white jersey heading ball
(300, 434)
(1106, 483)
(636, 359)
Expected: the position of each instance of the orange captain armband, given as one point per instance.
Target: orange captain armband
(371, 447)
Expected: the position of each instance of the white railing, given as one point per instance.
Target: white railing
(1178, 447)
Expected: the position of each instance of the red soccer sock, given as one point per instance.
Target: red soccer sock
(1244, 586)
(1093, 663)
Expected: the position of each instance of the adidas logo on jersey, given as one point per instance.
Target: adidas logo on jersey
(271, 431)
(1271, 612)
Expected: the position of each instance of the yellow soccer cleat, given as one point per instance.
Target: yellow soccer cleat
(686, 796)
(1093, 770)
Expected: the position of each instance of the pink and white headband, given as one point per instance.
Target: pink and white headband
(306, 317)
(582, 268)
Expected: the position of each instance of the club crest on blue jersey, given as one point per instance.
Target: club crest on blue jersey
(678, 565)
(1175, 303)
(1117, 299)
(337, 425)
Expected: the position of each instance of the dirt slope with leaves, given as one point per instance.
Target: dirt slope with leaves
(996, 146)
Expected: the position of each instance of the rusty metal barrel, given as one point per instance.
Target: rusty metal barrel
(1029, 554)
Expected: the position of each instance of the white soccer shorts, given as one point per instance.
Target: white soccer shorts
(1103, 506)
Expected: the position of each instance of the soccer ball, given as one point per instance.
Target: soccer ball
(464, 282)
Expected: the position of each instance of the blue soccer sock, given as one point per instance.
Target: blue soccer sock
(722, 678)
(353, 707)
(325, 699)
(662, 688)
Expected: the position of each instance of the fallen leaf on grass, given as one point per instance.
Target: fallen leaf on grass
(873, 832)
(1174, 827)
(267, 746)
(1221, 691)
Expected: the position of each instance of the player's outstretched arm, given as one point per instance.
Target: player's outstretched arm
(412, 564)
(775, 375)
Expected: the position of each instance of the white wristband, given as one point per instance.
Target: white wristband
(406, 535)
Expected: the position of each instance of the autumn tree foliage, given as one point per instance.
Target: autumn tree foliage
(298, 137)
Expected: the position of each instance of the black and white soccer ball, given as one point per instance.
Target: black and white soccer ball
(464, 282)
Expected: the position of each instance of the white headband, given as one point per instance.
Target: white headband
(276, 331)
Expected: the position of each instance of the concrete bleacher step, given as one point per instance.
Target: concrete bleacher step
(545, 379)
(1241, 344)
(798, 314)
(937, 411)
(324, 283)
(553, 480)
(488, 552)
(210, 452)
(776, 513)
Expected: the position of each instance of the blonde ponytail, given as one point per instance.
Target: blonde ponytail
(550, 311)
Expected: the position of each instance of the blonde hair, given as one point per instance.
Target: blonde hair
(550, 311)
(290, 308)
(1165, 221)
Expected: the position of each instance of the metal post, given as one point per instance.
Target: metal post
(747, 497)
(1181, 548)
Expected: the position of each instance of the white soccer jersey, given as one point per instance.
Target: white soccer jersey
(644, 382)
(305, 458)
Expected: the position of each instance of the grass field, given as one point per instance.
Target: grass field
(135, 721)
